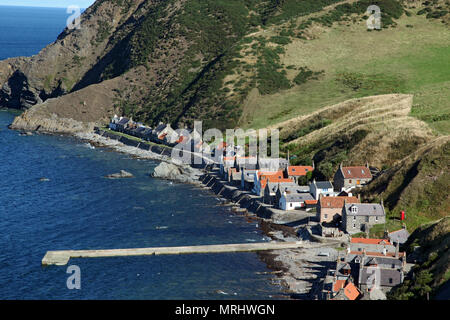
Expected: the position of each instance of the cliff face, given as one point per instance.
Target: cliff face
(146, 59)
(57, 80)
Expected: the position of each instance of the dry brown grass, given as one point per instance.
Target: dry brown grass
(392, 133)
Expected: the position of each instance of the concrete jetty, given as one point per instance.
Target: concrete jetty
(61, 258)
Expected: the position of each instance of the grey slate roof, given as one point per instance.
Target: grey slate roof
(272, 163)
(324, 185)
(147, 132)
(399, 236)
(364, 209)
(160, 128)
(383, 262)
(124, 121)
(294, 188)
(273, 186)
(366, 276)
(140, 129)
(298, 197)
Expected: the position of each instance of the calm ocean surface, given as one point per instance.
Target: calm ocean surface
(79, 209)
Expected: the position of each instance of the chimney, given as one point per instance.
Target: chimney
(340, 166)
(313, 165)
(397, 249)
(384, 251)
(367, 164)
(359, 197)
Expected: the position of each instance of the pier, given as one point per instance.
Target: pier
(61, 258)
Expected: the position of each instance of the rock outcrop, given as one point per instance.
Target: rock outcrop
(122, 174)
(178, 173)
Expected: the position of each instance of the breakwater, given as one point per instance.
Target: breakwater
(242, 198)
(158, 149)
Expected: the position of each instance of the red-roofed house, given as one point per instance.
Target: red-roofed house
(261, 180)
(346, 178)
(382, 246)
(330, 208)
(338, 285)
(351, 292)
(295, 172)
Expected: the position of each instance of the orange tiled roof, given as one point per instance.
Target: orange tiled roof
(262, 174)
(338, 285)
(311, 202)
(299, 170)
(336, 202)
(370, 241)
(351, 292)
(356, 172)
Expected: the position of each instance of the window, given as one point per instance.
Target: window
(390, 280)
(376, 218)
(290, 204)
(354, 226)
(354, 218)
(367, 219)
(326, 216)
(349, 181)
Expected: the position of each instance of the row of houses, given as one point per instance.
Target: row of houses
(277, 183)
(367, 270)
(162, 134)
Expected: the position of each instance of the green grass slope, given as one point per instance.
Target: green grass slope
(413, 57)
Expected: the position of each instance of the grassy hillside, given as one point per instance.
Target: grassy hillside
(418, 184)
(412, 57)
(434, 269)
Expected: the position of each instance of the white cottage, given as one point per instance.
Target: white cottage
(321, 187)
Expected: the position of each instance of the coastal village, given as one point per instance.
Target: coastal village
(330, 212)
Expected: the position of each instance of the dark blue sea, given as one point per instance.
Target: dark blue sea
(75, 207)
